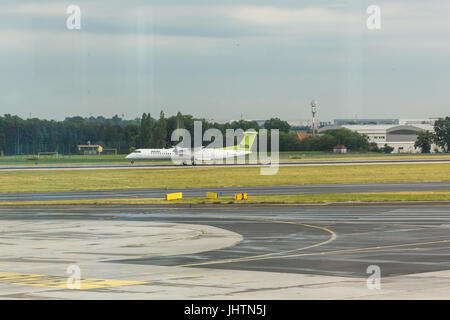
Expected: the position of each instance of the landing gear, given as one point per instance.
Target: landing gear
(132, 161)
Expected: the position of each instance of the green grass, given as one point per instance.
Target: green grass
(191, 177)
(284, 156)
(287, 199)
(65, 159)
(320, 155)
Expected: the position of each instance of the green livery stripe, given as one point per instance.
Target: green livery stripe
(246, 143)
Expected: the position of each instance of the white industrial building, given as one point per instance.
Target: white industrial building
(400, 137)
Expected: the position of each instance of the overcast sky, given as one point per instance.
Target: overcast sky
(220, 59)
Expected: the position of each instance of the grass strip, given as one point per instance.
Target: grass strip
(272, 199)
(196, 177)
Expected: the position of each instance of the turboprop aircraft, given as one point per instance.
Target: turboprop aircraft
(186, 155)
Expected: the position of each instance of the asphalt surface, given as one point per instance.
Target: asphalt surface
(167, 165)
(200, 192)
(323, 240)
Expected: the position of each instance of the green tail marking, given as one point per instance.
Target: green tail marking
(246, 143)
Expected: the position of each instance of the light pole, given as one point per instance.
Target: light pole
(313, 110)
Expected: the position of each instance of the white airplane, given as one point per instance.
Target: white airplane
(204, 154)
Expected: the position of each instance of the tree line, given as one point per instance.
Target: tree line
(440, 136)
(326, 142)
(30, 136)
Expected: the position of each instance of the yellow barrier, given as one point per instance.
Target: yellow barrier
(211, 195)
(174, 196)
(240, 196)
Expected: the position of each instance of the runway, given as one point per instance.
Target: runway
(200, 192)
(285, 246)
(215, 165)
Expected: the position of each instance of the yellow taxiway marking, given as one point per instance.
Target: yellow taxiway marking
(270, 255)
(357, 250)
(400, 245)
(41, 280)
(394, 224)
(282, 254)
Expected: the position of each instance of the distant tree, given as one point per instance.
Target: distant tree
(351, 139)
(116, 120)
(276, 123)
(145, 132)
(2, 142)
(373, 147)
(387, 149)
(442, 133)
(288, 141)
(160, 132)
(326, 142)
(424, 141)
(245, 125)
(179, 121)
(130, 136)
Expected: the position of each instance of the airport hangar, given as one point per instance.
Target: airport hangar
(400, 137)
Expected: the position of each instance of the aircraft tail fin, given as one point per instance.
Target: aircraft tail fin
(248, 140)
